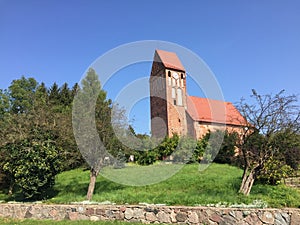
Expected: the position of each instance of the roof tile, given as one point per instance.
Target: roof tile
(214, 111)
(169, 59)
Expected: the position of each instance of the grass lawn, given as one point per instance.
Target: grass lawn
(189, 186)
(7, 221)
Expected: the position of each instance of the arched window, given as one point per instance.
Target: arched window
(182, 80)
(179, 96)
(169, 78)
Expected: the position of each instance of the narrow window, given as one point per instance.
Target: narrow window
(173, 81)
(169, 77)
(173, 93)
(179, 96)
(174, 102)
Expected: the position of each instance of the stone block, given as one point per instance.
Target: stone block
(181, 217)
(193, 217)
(150, 216)
(295, 218)
(94, 218)
(266, 217)
(128, 214)
(163, 217)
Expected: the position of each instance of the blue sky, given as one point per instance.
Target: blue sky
(247, 44)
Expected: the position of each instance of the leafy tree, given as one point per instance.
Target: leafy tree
(32, 164)
(268, 117)
(92, 125)
(21, 92)
(4, 104)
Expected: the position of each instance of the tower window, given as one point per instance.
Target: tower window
(173, 82)
(174, 102)
(179, 96)
(173, 93)
(181, 76)
(169, 73)
(179, 120)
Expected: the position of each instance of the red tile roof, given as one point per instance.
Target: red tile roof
(169, 59)
(214, 111)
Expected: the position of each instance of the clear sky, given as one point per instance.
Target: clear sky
(247, 44)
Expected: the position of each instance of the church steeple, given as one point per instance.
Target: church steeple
(168, 95)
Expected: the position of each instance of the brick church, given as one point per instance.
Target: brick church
(173, 111)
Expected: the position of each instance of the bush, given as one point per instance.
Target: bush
(274, 171)
(32, 165)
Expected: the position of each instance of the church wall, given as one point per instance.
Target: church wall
(202, 128)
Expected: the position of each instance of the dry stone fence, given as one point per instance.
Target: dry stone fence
(153, 214)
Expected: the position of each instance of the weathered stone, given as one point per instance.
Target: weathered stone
(89, 211)
(279, 219)
(138, 213)
(295, 218)
(286, 216)
(238, 215)
(215, 218)
(193, 217)
(150, 216)
(181, 217)
(94, 218)
(128, 214)
(53, 213)
(253, 219)
(266, 217)
(246, 213)
(119, 216)
(109, 213)
(173, 217)
(122, 208)
(100, 212)
(228, 220)
(163, 217)
(83, 217)
(73, 215)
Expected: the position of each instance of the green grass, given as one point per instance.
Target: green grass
(7, 221)
(218, 183)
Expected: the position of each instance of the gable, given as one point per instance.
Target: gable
(169, 59)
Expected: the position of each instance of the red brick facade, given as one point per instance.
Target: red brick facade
(173, 111)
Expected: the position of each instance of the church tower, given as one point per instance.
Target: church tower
(168, 99)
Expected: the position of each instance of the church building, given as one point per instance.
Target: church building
(173, 111)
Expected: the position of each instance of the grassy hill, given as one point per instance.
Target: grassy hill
(189, 186)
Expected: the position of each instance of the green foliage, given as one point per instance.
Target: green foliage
(189, 186)
(167, 147)
(22, 94)
(32, 164)
(218, 146)
(274, 171)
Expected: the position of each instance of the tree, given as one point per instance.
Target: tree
(92, 125)
(267, 118)
(21, 92)
(32, 163)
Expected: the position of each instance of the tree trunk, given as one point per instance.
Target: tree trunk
(247, 183)
(93, 177)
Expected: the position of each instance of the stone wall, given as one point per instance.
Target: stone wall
(153, 214)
